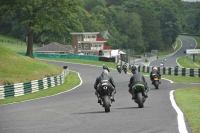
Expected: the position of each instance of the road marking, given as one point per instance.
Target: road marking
(168, 80)
(181, 122)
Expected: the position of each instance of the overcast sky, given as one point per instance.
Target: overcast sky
(191, 0)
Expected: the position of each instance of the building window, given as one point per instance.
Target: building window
(86, 46)
(79, 38)
(79, 46)
(90, 36)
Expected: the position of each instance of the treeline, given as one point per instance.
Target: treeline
(191, 19)
(142, 25)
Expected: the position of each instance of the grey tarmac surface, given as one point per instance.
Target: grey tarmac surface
(171, 60)
(77, 111)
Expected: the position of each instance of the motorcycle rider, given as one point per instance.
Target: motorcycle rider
(161, 64)
(155, 71)
(135, 79)
(97, 86)
(119, 66)
(124, 66)
(133, 69)
(106, 68)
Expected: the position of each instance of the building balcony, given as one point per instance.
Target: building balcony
(89, 39)
(96, 48)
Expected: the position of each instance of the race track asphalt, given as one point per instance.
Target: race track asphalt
(77, 111)
(171, 60)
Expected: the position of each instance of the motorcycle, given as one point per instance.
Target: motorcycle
(161, 65)
(105, 97)
(155, 80)
(125, 69)
(119, 69)
(139, 90)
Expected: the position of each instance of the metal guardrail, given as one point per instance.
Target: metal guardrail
(20, 89)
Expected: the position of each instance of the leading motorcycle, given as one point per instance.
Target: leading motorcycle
(139, 90)
(105, 97)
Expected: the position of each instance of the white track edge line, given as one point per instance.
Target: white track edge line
(180, 117)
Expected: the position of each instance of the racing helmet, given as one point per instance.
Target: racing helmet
(105, 67)
(105, 71)
(133, 68)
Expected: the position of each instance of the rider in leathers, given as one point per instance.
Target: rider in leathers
(135, 79)
(155, 71)
(104, 76)
(106, 68)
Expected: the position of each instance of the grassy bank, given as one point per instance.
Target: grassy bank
(16, 69)
(82, 61)
(71, 81)
(169, 51)
(186, 62)
(188, 100)
(14, 44)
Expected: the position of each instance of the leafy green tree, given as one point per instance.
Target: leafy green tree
(197, 25)
(90, 4)
(151, 31)
(170, 22)
(130, 25)
(40, 15)
(114, 2)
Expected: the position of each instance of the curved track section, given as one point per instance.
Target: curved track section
(78, 111)
(171, 60)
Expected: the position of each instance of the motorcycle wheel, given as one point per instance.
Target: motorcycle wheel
(156, 84)
(140, 100)
(106, 102)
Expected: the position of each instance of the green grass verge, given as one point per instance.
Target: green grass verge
(188, 100)
(15, 68)
(14, 44)
(71, 81)
(186, 62)
(82, 61)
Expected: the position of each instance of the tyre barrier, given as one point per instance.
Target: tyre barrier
(172, 71)
(20, 89)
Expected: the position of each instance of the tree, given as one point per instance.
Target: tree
(170, 22)
(41, 15)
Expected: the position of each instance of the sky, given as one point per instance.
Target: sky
(191, 0)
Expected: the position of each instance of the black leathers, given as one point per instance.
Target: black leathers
(155, 72)
(137, 78)
(102, 78)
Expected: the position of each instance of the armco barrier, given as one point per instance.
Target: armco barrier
(20, 89)
(172, 71)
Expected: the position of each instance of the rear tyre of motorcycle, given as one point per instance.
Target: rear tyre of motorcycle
(156, 84)
(140, 100)
(106, 102)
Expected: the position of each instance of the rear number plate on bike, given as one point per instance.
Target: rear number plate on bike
(155, 78)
